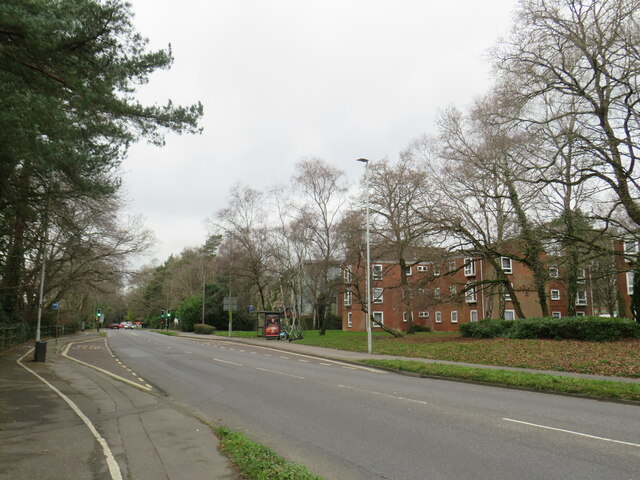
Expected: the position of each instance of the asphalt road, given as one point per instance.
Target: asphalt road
(348, 422)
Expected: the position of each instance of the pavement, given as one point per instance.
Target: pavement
(83, 414)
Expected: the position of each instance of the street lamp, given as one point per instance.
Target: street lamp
(368, 321)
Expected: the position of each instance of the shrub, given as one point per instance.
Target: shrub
(204, 329)
(419, 328)
(490, 328)
(592, 329)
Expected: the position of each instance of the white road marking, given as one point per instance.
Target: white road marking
(303, 361)
(114, 468)
(572, 432)
(325, 364)
(280, 373)
(286, 358)
(380, 394)
(230, 363)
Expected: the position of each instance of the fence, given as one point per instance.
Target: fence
(11, 335)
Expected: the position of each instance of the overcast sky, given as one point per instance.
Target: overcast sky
(286, 79)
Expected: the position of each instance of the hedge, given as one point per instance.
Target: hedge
(593, 329)
(204, 329)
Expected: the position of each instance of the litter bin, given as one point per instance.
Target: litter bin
(41, 352)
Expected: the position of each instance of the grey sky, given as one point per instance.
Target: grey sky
(285, 79)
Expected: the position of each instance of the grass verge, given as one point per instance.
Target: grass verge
(603, 389)
(256, 461)
(164, 332)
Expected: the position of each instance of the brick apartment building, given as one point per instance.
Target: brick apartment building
(444, 293)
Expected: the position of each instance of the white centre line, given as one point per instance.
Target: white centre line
(279, 373)
(572, 432)
(230, 363)
(387, 395)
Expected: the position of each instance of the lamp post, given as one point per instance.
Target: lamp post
(368, 321)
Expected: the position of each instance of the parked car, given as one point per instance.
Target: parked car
(128, 325)
(113, 325)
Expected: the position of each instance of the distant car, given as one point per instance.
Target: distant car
(113, 325)
(128, 325)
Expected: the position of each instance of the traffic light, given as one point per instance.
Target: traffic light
(162, 313)
(169, 313)
(98, 312)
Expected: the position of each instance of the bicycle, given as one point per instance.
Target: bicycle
(294, 333)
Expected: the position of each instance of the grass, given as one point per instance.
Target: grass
(619, 358)
(165, 332)
(604, 389)
(257, 462)
(239, 334)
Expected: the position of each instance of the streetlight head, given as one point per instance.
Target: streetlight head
(363, 160)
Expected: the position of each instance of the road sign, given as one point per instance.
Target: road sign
(54, 306)
(234, 304)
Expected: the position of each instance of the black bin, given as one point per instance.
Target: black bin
(41, 352)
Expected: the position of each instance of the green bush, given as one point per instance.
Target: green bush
(490, 328)
(592, 329)
(419, 328)
(204, 329)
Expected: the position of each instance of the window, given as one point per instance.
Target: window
(378, 317)
(423, 314)
(509, 314)
(453, 290)
(581, 297)
(349, 319)
(452, 265)
(408, 270)
(579, 314)
(553, 271)
(469, 267)
(471, 295)
(438, 317)
(555, 294)
(406, 316)
(473, 316)
(556, 314)
(506, 264)
(436, 292)
(422, 268)
(347, 274)
(454, 316)
(436, 270)
(631, 247)
(582, 275)
(376, 271)
(347, 298)
(507, 295)
(629, 283)
(377, 295)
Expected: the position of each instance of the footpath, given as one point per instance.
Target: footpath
(84, 415)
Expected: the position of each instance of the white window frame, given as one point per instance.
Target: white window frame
(469, 267)
(556, 314)
(349, 319)
(554, 294)
(404, 316)
(347, 274)
(507, 295)
(629, 276)
(423, 315)
(453, 290)
(436, 270)
(508, 269)
(438, 317)
(473, 316)
(376, 271)
(381, 315)
(423, 268)
(436, 292)
(631, 247)
(510, 313)
(471, 295)
(348, 297)
(409, 270)
(582, 275)
(452, 266)
(377, 298)
(580, 314)
(581, 298)
(454, 316)
(554, 272)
